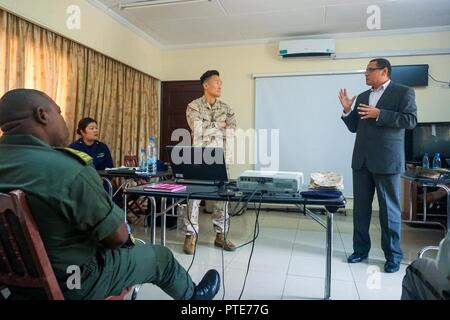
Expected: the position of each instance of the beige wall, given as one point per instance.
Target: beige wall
(98, 31)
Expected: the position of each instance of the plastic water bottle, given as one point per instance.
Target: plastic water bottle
(151, 156)
(143, 161)
(437, 161)
(425, 161)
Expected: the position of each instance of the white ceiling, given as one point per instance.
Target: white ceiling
(236, 21)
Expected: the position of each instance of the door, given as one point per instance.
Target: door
(175, 96)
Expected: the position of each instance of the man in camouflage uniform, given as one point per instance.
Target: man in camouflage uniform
(78, 222)
(212, 123)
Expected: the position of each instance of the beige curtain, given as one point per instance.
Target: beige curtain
(83, 82)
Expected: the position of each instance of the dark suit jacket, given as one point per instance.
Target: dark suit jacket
(380, 144)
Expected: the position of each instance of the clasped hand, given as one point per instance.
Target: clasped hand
(368, 112)
(364, 110)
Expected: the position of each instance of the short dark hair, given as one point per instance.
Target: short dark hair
(383, 63)
(208, 74)
(83, 123)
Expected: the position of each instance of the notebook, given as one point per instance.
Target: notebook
(167, 187)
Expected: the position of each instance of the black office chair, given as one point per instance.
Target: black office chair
(424, 250)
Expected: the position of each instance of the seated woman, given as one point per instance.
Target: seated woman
(88, 143)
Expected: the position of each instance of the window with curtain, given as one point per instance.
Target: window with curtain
(83, 82)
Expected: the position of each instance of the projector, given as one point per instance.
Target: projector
(270, 181)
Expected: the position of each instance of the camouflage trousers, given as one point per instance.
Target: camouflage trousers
(218, 217)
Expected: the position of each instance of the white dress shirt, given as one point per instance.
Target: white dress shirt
(374, 96)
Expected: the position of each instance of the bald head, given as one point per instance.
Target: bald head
(19, 105)
(32, 112)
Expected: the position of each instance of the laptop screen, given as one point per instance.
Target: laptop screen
(204, 164)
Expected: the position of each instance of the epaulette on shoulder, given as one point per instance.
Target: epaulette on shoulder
(82, 157)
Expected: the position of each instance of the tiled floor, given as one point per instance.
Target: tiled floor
(288, 261)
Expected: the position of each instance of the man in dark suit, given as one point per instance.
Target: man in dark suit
(379, 118)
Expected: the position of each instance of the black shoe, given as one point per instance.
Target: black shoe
(208, 287)
(391, 266)
(355, 258)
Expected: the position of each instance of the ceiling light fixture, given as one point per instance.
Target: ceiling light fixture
(141, 4)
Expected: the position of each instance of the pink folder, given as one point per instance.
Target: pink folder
(168, 187)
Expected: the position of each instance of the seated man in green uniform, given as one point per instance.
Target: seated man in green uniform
(79, 224)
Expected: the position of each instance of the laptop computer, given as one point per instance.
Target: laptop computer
(198, 165)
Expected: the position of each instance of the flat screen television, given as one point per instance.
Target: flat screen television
(410, 75)
(428, 137)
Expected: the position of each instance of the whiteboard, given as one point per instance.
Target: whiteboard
(307, 112)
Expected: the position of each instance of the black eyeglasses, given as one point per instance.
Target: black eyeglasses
(373, 69)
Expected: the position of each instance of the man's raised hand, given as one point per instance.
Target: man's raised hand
(346, 102)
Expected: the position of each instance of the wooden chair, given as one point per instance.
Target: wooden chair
(24, 262)
(131, 161)
(23, 259)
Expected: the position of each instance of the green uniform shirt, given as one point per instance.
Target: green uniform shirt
(66, 196)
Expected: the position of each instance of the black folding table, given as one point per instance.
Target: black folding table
(203, 192)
